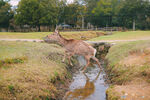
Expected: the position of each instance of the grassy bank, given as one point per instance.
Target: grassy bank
(129, 35)
(85, 35)
(129, 71)
(30, 70)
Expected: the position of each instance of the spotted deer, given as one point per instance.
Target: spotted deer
(74, 47)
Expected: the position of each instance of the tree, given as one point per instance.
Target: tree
(5, 13)
(27, 13)
(48, 12)
(102, 13)
(133, 12)
(37, 13)
(71, 13)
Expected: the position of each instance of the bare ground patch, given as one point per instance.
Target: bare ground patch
(136, 90)
(137, 58)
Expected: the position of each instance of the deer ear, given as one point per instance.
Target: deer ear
(56, 31)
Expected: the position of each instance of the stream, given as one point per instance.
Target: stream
(89, 85)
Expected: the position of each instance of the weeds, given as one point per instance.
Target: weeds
(11, 88)
(7, 62)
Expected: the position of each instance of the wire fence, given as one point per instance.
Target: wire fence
(95, 29)
(48, 29)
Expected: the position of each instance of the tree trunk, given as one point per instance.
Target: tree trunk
(133, 24)
(39, 30)
(82, 22)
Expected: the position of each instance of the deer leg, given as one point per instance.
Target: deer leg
(64, 57)
(97, 61)
(87, 61)
(67, 95)
(69, 58)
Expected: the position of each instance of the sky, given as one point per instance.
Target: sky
(15, 2)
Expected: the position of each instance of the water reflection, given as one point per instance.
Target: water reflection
(87, 86)
(84, 91)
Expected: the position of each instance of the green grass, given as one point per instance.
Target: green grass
(18, 35)
(120, 73)
(129, 35)
(40, 35)
(111, 94)
(26, 69)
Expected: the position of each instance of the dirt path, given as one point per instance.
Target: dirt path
(110, 41)
(28, 40)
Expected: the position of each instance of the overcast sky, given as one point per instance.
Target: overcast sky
(15, 2)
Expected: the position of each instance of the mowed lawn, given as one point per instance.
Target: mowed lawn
(85, 35)
(29, 70)
(129, 35)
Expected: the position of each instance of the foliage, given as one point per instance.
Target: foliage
(119, 13)
(5, 13)
(101, 13)
(71, 13)
(134, 10)
(37, 13)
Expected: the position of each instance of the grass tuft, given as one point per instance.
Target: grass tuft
(8, 61)
(11, 88)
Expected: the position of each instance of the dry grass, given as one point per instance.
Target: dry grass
(33, 77)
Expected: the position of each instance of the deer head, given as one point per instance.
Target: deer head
(55, 37)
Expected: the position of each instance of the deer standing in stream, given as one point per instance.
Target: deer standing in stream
(74, 47)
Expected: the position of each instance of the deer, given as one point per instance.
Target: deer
(74, 47)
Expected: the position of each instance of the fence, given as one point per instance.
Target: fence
(45, 29)
(95, 29)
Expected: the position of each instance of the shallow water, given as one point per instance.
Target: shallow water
(89, 85)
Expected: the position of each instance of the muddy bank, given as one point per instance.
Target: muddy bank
(102, 49)
(62, 84)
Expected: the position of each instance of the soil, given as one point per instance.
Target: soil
(134, 91)
(137, 58)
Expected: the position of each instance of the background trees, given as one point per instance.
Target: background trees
(124, 13)
(100, 13)
(134, 12)
(37, 12)
(5, 13)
